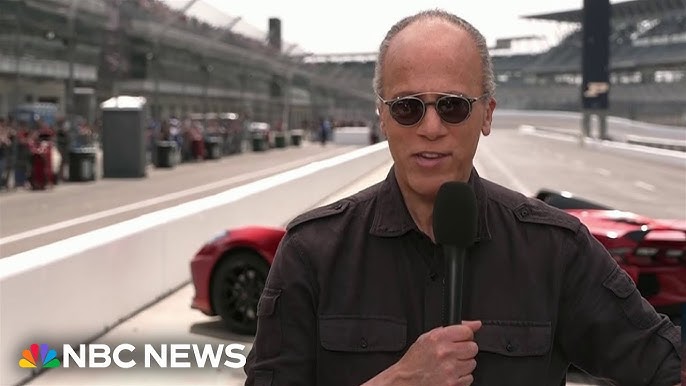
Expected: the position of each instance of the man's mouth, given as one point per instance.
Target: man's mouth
(431, 155)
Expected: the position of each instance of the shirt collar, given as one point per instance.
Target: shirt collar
(392, 219)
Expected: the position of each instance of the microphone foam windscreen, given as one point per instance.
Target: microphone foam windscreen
(454, 215)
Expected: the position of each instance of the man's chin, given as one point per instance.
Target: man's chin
(428, 185)
(427, 188)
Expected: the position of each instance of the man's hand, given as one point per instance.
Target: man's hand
(442, 356)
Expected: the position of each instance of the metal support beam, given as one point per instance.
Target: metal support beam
(154, 59)
(18, 53)
(71, 52)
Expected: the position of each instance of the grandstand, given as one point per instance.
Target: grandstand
(94, 49)
(647, 65)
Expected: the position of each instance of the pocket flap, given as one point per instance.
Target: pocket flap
(514, 338)
(362, 333)
(620, 283)
(267, 303)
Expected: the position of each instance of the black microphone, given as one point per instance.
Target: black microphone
(454, 222)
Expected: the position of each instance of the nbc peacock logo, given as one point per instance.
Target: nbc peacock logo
(39, 356)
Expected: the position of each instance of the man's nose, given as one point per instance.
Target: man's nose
(431, 126)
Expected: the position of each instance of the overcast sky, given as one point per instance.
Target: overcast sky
(353, 26)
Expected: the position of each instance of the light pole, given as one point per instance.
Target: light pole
(18, 53)
(154, 57)
(71, 50)
(288, 83)
(207, 70)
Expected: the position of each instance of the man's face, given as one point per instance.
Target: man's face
(433, 56)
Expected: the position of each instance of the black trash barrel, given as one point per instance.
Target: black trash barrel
(165, 154)
(82, 164)
(259, 142)
(213, 148)
(296, 137)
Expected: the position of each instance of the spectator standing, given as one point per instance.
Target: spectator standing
(5, 146)
(22, 155)
(324, 130)
(63, 140)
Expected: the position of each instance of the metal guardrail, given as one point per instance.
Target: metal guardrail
(632, 139)
(661, 143)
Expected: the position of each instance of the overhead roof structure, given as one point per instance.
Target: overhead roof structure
(646, 9)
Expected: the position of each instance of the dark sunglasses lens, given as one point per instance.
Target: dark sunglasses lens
(407, 111)
(453, 109)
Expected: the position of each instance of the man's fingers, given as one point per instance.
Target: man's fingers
(461, 332)
(475, 325)
(466, 380)
(466, 350)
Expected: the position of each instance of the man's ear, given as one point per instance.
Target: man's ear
(488, 117)
(382, 125)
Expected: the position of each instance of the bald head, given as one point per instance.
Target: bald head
(435, 32)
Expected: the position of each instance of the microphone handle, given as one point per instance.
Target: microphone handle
(452, 286)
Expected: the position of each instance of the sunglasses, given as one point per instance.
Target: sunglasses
(452, 108)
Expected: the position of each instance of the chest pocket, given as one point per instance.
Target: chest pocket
(514, 338)
(362, 333)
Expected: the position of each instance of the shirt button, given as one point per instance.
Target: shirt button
(509, 347)
(363, 343)
(523, 212)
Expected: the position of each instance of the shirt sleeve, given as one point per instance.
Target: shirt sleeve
(607, 328)
(283, 352)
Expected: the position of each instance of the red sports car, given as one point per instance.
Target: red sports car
(230, 270)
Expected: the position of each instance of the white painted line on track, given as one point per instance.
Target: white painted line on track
(603, 172)
(531, 130)
(644, 185)
(150, 202)
(517, 184)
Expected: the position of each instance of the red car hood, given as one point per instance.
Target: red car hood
(616, 223)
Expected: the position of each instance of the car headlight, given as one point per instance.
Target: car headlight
(620, 254)
(217, 237)
(210, 246)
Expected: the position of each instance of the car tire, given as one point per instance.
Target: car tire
(237, 284)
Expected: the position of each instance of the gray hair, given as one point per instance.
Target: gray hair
(488, 78)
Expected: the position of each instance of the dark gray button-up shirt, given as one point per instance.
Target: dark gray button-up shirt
(355, 283)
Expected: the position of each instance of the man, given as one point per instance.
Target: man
(355, 292)
(63, 141)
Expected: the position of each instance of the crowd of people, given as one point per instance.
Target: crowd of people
(37, 156)
(191, 135)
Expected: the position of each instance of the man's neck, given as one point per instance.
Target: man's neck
(421, 211)
(420, 208)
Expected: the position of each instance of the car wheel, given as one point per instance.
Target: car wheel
(237, 285)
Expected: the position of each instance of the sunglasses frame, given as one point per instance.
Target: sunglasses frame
(470, 103)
